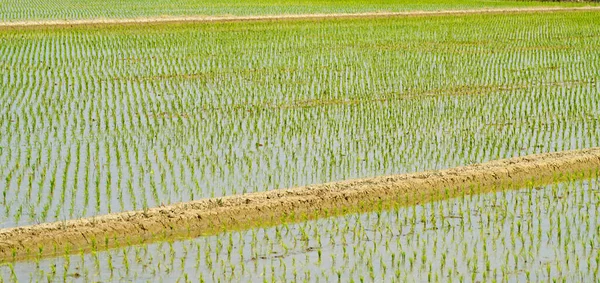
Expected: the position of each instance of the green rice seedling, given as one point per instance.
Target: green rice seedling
(245, 107)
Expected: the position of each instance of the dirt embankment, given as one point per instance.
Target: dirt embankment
(289, 205)
(206, 19)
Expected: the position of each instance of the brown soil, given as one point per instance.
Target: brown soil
(208, 216)
(180, 19)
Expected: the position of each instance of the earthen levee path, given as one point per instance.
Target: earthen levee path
(297, 204)
(191, 19)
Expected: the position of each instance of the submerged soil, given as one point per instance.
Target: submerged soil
(214, 215)
(190, 19)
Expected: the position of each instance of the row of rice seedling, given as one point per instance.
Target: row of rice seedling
(533, 234)
(20, 10)
(98, 120)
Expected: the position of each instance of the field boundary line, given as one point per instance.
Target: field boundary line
(215, 215)
(209, 19)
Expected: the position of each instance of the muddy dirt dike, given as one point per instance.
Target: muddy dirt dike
(207, 19)
(208, 216)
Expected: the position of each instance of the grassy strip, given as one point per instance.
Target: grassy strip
(287, 17)
(18, 10)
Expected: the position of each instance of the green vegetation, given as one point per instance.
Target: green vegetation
(18, 10)
(101, 119)
(98, 120)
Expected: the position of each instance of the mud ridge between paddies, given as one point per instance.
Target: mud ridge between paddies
(228, 18)
(209, 216)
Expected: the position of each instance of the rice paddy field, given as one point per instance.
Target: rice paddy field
(100, 119)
